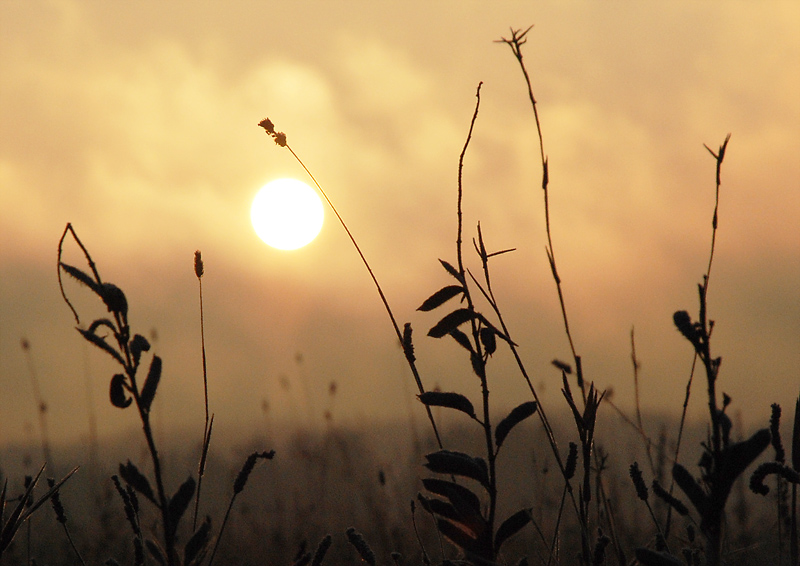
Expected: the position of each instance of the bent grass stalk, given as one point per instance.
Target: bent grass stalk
(403, 337)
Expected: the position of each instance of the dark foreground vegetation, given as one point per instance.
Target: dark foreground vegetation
(572, 492)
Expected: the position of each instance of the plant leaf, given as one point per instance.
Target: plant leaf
(138, 344)
(465, 502)
(451, 322)
(156, 552)
(102, 344)
(83, 277)
(443, 509)
(450, 400)
(117, 392)
(462, 339)
(114, 299)
(459, 537)
(516, 416)
(742, 454)
(458, 464)
(195, 550)
(488, 340)
(452, 271)
(150, 384)
(440, 297)
(511, 526)
(496, 330)
(691, 488)
(134, 478)
(179, 502)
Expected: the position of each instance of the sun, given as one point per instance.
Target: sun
(287, 214)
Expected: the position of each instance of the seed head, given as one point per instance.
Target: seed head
(266, 123)
(198, 264)
(638, 482)
(61, 516)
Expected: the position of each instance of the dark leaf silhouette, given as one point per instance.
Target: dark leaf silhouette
(134, 478)
(669, 499)
(439, 507)
(458, 464)
(101, 343)
(179, 502)
(464, 501)
(511, 526)
(82, 277)
(690, 487)
(197, 546)
(460, 537)
(516, 416)
(114, 299)
(451, 400)
(117, 392)
(440, 297)
(156, 552)
(150, 384)
(744, 453)
(451, 322)
(452, 271)
(488, 340)
(138, 345)
(462, 339)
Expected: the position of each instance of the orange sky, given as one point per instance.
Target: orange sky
(138, 125)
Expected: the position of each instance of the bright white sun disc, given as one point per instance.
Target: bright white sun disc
(287, 214)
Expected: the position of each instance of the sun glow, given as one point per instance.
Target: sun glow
(287, 214)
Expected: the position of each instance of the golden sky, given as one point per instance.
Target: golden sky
(137, 123)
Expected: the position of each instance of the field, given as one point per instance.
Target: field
(579, 482)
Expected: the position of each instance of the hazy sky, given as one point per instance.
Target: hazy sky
(137, 123)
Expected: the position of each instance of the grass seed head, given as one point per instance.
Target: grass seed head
(61, 516)
(638, 482)
(360, 544)
(198, 264)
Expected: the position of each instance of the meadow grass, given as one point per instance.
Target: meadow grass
(573, 491)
